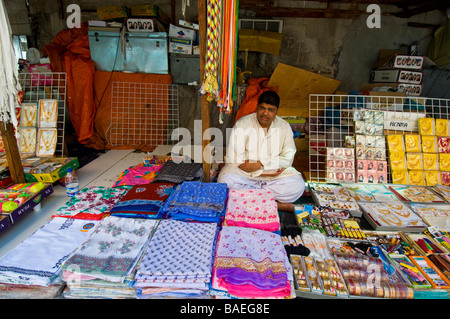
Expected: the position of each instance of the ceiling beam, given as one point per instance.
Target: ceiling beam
(408, 8)
(309, 13)
(422, 8)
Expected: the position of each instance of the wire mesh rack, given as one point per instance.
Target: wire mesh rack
(143, 114)
(48, 85)
(333, 118)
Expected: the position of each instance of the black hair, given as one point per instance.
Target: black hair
(269, 97)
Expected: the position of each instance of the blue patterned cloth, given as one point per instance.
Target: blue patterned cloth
(197, 201)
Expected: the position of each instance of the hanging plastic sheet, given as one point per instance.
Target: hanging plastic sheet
(439, 49)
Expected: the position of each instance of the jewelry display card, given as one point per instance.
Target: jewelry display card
(48, 113)
(27, 140)
(28, 115)
(393, 214)
(46, 142)
(434, 215)
(418, 194)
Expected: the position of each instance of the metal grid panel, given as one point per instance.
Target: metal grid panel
(331, 119)
(49, 85)
(143, 114)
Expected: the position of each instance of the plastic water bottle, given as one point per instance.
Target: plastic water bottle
(71, 182)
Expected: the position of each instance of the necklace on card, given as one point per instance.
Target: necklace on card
(49, 141)
(30, 113)
(49, 112)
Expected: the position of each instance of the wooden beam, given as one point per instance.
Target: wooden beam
(309, 13)
(204, 102)
(12, 153)
(422, 8)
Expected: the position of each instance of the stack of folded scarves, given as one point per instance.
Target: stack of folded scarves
(196, 201)
(178, 261)
(251, 263)
(92, 203)
(253, 208)
(174, 172)
(37, 260)
(105, 264)
(143, 201)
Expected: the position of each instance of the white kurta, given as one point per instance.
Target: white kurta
(249, 141)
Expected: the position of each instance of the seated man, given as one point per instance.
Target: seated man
(260, 153)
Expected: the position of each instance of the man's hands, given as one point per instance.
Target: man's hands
(251, 166)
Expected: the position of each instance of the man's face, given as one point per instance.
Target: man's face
(265, 114)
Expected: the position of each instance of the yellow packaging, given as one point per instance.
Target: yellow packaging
(430, 161)
(395, 143)
(432, 178)
(412, 143)
(399, 176)
(416, 177)
(442, 127)
(427, 126)
(414, 161)
(429, 144)
(397, 160)
(111, 12)
(444, 161)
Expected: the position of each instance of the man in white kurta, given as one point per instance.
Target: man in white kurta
(260, 153)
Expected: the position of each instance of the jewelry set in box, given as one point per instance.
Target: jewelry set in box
(38, 132)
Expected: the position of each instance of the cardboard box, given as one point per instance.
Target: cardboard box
(29, 205)
(385, 76)
(296, 85)
(189, 25)
(4, 222)
(56, 174)
(260, 41)
(180, 46)
(410, 77)
(181, 33)
(410, 89)
(399, 61)
(111, 12)
(196, 50)
(149, 10)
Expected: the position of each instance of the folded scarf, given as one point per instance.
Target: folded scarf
(143, 201)
(252, 208)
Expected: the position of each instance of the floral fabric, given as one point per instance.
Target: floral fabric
(251, 263)
(252, 208)
(92, 203)
(112, 251)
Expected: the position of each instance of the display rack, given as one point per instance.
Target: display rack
(48, 85)
(142, 113)
(331, 119)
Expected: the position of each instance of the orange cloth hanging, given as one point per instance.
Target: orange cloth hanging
(69, 52)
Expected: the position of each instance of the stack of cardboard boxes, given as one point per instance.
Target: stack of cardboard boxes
(183, 39)
(400, 71)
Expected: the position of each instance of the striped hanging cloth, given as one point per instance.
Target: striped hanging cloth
(210, 84)
(227, 81)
